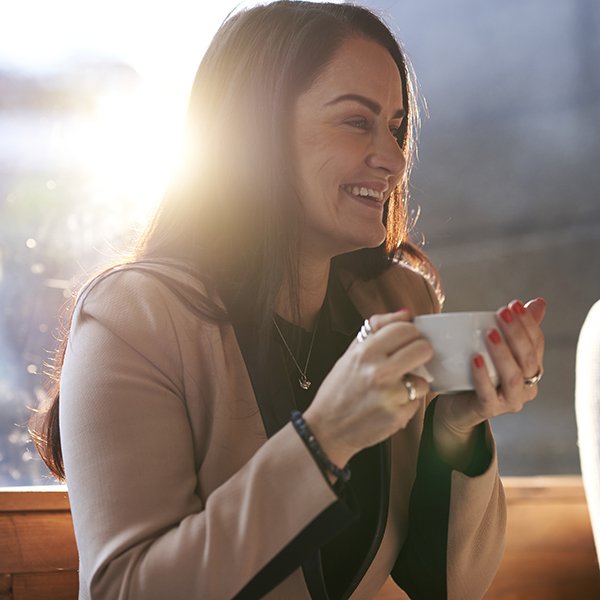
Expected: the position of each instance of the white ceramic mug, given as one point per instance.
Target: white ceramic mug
(455, 338)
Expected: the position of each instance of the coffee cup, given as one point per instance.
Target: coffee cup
(455, 338)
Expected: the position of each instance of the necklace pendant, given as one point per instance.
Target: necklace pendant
(304, 383)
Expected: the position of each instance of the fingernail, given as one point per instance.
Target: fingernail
(478, 361)
(506, 315)
(518, 308)
(494, 336)
(403, 311)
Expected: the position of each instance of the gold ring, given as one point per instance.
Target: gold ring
(411, 388)
(529, 381)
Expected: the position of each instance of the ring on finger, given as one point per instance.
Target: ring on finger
(365, 331)
(411, 388)
(534, 379)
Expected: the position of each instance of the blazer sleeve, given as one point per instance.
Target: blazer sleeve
(457, 521)
(142, 530)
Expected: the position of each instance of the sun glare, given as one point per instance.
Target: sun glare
(129, 142)
(133, 146)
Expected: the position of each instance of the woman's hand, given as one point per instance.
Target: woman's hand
(363, 400)
(517, 356)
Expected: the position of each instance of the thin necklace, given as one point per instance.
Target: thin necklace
(303, 380)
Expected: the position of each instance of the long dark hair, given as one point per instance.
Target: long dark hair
(223, 215)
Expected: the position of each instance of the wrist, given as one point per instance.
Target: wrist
(454, 444)
(456, 414)
(339, 454)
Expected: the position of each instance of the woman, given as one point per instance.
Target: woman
(225, 431)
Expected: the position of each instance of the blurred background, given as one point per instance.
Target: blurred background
(92, 97)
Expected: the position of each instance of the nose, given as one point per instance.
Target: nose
(386, 153)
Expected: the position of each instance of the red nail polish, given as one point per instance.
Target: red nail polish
(518, 308)
(506, 315)
(478, 361)
(494, 336)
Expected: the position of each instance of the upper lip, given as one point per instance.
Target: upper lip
(378, 186)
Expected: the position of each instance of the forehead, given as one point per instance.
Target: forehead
(360, 66)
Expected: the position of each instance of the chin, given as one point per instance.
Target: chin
(372, 241)
(376, 238)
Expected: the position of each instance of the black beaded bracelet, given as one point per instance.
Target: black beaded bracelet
(310, 440)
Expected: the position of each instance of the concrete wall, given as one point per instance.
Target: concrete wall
(509, 180)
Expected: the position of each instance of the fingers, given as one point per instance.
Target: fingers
(537, 309)
(509, 370)
(406, 389)
(530, 317)
(392, 348)
(380, 321)
(389, 372)
(509, 396)
(512, 390)
(376, 323)
(388, 333)
(413, 388)
(406, 401)
(523, 336)
(517, 354)
(410, 356)
(487, 393)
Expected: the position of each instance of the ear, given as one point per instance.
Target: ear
(537, 309)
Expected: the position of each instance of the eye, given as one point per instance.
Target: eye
(396, 131)
(359, 123)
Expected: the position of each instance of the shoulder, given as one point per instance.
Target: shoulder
(145, 302)
(143, 286)
(142, 319)
(399, 286)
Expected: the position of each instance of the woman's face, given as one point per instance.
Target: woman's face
(347, 156)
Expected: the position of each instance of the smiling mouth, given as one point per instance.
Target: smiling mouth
(364, 193)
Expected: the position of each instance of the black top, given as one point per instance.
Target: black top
(335, 549)
(342, 557)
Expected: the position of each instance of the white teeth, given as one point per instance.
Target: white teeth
(363, 191)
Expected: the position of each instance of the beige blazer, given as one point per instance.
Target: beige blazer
(176, 490)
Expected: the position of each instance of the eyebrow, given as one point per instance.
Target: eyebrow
(373, 106)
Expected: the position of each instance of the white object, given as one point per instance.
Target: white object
(587, 408)
(455, 338)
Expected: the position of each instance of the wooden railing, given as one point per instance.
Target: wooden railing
(549, 555)
(550, 552)
(38, 556)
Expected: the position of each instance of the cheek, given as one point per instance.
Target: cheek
(325, 162)
(331, 163)
(319, 171)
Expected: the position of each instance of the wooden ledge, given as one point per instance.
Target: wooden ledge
(37, 541)
(560, 488)
(34, 499)
(550, 552)
(544, 488)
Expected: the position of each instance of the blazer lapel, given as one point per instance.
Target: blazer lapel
(272, 390)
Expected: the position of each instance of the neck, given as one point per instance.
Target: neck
(314, 275)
